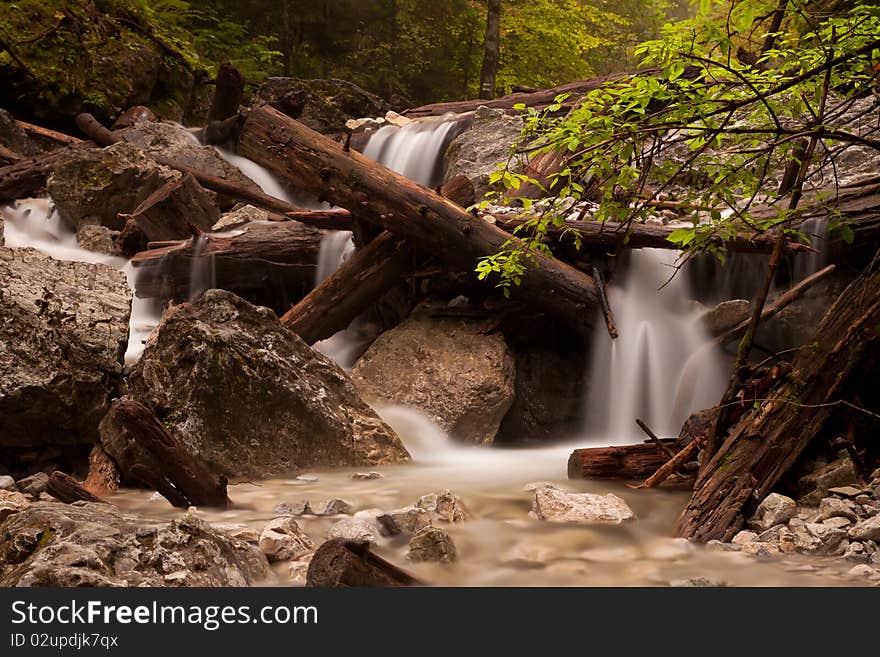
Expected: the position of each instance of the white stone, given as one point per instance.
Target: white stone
(394, 118)
(352, 529)
(282, 540)
(744, 537)
(555, 505)
(775, 509)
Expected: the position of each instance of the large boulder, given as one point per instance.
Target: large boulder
(92, 186)
(250, 397)
(63, 333)
(99, 57)
(460, 378)
(476, 152)
(90, 544)
(322, 105)
(175, 142)
(556, 505)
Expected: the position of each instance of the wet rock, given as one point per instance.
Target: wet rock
(95, 238)
(298, 570)
(240, 216)
(476, 152)
(14, 138)
(364, 124)
(407, 520)
(353, 529)
(177, 143)
(92, 186)
(12, 502)
(866, 530)
(295, 509)
(282, 540)
(864, 571)
(332, 507)
(133, 116)
(309, 416)
(775, 509)
(464, 381)
(814, 486)
(63, 334)
(239, 532)
(8, 483)
(89, 544)
(837, 521)
(697, 582)
(34, 484)
(444, 507)
(725, 316)
(366, 476)
(831, 507)
(845, 491)
(818, 539)
(431, 544)
(322, 105)
(856, 552)
(555, 505)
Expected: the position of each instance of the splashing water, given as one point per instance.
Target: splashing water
(202, 273)
(414, 150)
(658, 370)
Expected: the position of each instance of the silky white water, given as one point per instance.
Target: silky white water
(413, 150)
(658, 369)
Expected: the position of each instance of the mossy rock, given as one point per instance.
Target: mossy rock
(100, 56)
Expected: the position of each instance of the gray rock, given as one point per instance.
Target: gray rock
(63, 334)
(352, 529)
(333, 507)
(92, 186)
(309, 415)
(837, 521)
(846, 491)
(34, 484)
(239, 532)
(89, 544)
(366, 476)
(700, 582)
(477, 151)
(444, 507)
(8, 483)
(432, 544)
(12, 502)
(282, 540)
(555, 505)
(866, 530)
(307, 478)
(814, 486)
(725, 315)
(407, 520)
(95, 238)
(775, 509)
(177, 143)
(831, 507)
(240, 216)
(464, 382)
(295, 509)
(818, 539)
(744, 537)
(864, 571)
(856, 552)
(298, 570)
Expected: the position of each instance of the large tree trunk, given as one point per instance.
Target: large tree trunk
(428, 221)
(266, 263)
(767, 441)
(491, 49)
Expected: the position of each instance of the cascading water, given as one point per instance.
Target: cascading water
(660, 369)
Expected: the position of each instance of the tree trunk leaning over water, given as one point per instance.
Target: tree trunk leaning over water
(317, 164)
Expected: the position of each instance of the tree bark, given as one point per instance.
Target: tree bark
(65, 488)
(351, 290)
(768, 440)
(627, 462)
(316, 163)
(341, 564)
(269, 264)
(177, 210)
(491, 49)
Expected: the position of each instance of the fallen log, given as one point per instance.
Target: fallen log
(685, 455)
(65, 488)
(358, 283)
(177, 210)
(267, 263)
(341, 564)
(767, 440)
(28, 176)
(623, 462)
(8, 156)
(143, 449)
(52, 135)
(317, 164)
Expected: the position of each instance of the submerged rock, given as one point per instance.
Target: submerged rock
(92, 186)
(444, 507)
(432, 544)
(463, 380)
(476, 152)
(250, 397)
(555, 505)
(63, 334)
(407, 520)
(90, 544)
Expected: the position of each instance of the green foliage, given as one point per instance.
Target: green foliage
(723, 124)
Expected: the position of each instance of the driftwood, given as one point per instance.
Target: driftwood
(341, 564)
(46, 133)
(768, 439)
(624, 462)
(315, 163)
(266, 263)
(607, 313)
(159, 460)
(357, 284)
(65, 488)
(677, 462)
(177, 210)
(28, 176)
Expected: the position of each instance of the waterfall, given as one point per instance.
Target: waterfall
(660, 369)
(202, 275)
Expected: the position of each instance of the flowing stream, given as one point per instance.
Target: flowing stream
(649, 372)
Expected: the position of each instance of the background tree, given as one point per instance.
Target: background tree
(491, 49)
